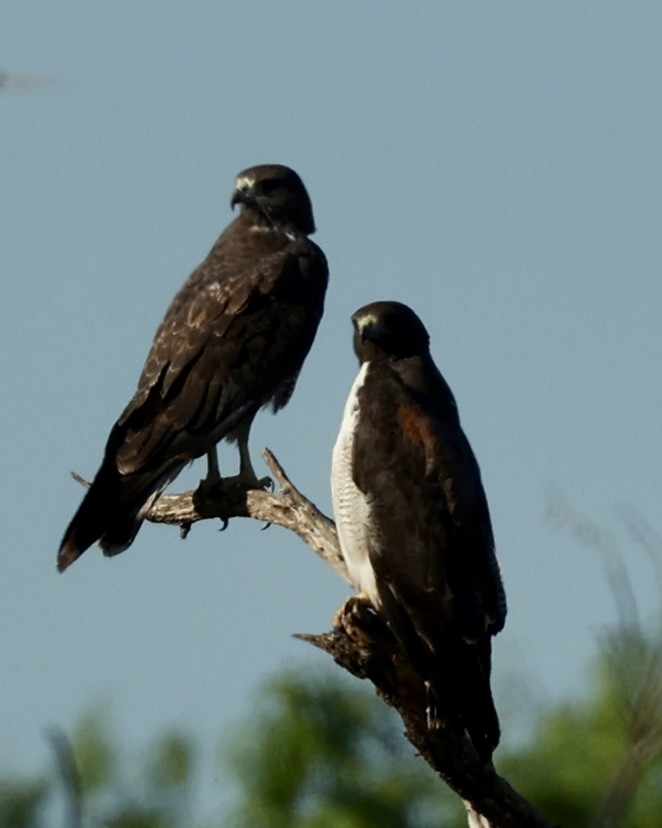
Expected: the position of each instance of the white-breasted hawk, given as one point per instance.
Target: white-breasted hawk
(413, 521)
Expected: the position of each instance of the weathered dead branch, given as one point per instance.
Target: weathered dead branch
(287, 508)
(361, 643)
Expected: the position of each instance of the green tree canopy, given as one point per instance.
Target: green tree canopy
(322, 751)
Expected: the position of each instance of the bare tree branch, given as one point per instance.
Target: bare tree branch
(289, 509)
(361, 643)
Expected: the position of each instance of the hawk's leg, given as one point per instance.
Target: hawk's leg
(213, 471)
(247, 474)
(246, 479)
(211, 487)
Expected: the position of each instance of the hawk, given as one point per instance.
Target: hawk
(232, 341)
(413, 521)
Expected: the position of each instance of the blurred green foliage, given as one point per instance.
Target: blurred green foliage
(321, 751)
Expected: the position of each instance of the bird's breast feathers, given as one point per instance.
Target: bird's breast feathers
(351, 506)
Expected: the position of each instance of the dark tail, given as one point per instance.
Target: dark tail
(101, 518)
(457, 673)
(465, 689)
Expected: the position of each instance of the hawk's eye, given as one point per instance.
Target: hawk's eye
(269, 185)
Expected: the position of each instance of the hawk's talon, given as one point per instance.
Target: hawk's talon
(353, 608)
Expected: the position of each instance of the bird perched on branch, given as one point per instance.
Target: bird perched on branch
(413, 521)
(232, 341)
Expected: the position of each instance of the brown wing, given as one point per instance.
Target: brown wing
(431, 544)
(228, 344)
(414, 462)
(233, 339)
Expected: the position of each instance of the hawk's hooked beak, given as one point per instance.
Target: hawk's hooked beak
(238, 197)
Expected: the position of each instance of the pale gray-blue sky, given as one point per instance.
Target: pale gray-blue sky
(497, 166)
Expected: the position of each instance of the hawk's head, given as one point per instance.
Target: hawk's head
(275, 196)
(388, 329)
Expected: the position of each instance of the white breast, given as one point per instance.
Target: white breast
(351, 508)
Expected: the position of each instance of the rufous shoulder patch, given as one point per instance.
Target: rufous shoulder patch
(415, 426)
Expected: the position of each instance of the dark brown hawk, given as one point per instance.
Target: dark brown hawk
(413, 521)
(233, 340)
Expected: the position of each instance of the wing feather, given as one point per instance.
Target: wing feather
(433, 543)
(430, 540)
(217, 352)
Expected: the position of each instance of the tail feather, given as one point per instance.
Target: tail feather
(102, 513)
(464, 688)
(123, 529)
(456, 673)
(113, 510)
(480, 720)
